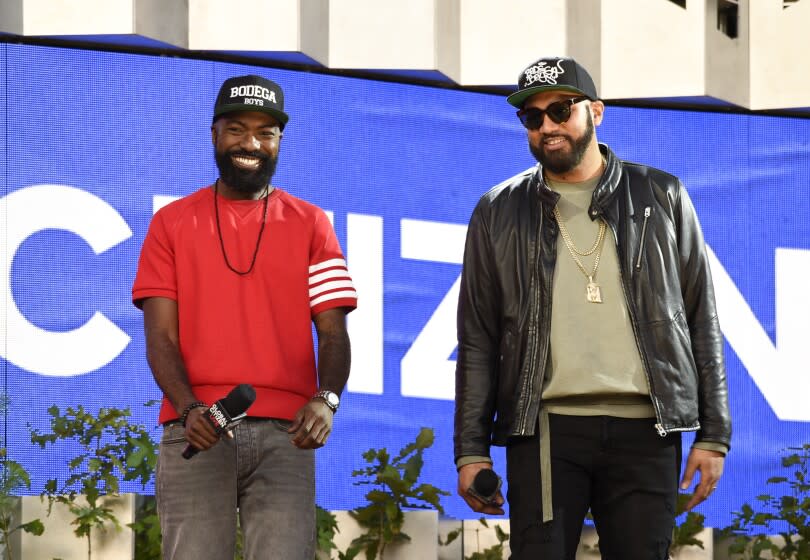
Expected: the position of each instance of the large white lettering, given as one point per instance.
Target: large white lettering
(781, 371)
(97, 342)
(779, 368)
(427, 370)
(364, 255)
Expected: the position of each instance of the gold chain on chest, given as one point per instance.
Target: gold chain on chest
(593, 290)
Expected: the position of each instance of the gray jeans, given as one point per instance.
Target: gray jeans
(259, 473)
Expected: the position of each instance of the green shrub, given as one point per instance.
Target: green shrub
(785, 515)
(396, 488)
(13, 478)
(111, 447)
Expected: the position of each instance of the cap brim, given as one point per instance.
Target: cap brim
(518, 98)
(280, 116)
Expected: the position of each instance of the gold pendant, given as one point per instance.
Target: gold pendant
(593, 291)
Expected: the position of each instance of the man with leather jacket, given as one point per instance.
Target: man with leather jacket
(588, 338)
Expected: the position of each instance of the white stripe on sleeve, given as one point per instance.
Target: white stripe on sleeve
(327, 264)
(333, 295)
(341, 273)
(326, 286)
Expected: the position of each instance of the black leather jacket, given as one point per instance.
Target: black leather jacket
(504, 314)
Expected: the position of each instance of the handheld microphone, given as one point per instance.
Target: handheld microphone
(226, 413)
(485, 486)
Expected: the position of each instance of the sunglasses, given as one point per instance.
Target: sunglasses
(559, 112)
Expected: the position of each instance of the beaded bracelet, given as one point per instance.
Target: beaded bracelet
(189, 408)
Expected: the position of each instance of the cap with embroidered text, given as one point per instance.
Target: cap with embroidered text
(553, 73)
(251, 93)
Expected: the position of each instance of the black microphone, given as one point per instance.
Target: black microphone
(226, 413)
(485, 486)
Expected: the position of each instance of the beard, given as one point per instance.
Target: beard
(563, 161)
(248, 181)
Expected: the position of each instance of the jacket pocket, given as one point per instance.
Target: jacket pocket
(643, 236)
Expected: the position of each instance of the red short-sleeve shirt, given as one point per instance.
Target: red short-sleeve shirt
(255, 328)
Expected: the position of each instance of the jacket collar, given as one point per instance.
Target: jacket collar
(603, 192)
(608, 184)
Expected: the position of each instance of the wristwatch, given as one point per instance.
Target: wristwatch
(331, 399)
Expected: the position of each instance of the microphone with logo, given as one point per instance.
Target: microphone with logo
(226, 413)
(485, 486)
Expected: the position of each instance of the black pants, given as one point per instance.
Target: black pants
(620, 468)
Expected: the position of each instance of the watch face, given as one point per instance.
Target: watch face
(331, 399)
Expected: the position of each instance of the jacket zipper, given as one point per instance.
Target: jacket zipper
(659, 426)
(544, 343)
(647, 211)
(534, 318)
(522, 424)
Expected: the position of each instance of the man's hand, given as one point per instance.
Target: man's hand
(200, 433)
(466, 475)
(312, 425)
(710, 465)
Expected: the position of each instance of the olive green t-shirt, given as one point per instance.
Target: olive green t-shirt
(594, 365)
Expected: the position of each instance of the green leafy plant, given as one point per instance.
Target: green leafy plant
(13, 478)
(146, 528)
(786, 515)
(111, 448)
(685, 532)
(326, 527)
(395, 488)
(494, 552)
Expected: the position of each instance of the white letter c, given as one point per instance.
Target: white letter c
(97, 342)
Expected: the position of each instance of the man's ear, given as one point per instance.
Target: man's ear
(597, 112)
(213, 135)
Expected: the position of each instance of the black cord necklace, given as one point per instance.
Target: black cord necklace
(258, 239)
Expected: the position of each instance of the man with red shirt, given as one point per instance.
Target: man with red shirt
(230, 280)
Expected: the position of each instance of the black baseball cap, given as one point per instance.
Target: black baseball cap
(251, 93)
(553, 73)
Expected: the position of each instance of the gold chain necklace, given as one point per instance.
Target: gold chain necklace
(593, 291)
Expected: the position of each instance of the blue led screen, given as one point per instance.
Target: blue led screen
(93, 142)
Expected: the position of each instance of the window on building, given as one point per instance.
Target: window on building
(727, 17)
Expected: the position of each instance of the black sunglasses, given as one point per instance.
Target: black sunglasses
(559, 112)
